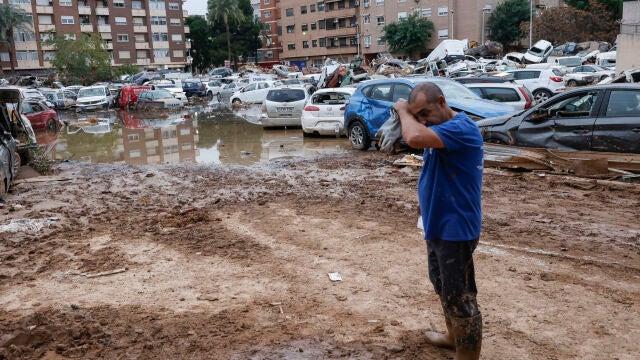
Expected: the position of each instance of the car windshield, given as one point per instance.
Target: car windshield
(91, 92)
(191, 85)
(286, 95)
(536, 51)
(453, 90)
(570, 62)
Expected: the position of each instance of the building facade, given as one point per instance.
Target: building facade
(308, 32)
(147, 33)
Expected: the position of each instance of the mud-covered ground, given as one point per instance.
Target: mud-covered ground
(215, 262)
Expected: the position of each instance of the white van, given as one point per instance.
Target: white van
(449, 51)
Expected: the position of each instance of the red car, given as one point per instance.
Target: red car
(128, 96)
(40, 115)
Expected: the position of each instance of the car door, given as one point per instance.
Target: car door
(617, 129)
(261, 93)
(564, 123)
(379, 101)
(247, 93)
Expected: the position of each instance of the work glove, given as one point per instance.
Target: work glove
(390, 132)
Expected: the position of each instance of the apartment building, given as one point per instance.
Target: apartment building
(150, 34)
(271, 48)
(308, 32)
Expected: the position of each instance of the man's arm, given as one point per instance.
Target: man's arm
(417, 135)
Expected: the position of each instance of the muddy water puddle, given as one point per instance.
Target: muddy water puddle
(211, 134)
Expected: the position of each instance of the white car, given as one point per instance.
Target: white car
(508, 93)
(538, 52)
(323, 113)
(94, 98)
(283, 105)
(543, 83)
(213, 88)
(254, 93)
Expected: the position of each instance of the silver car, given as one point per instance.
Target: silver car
(283, 106)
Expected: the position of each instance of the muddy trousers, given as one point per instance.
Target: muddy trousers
(452, 274)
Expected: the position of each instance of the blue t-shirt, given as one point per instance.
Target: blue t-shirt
(450, 184)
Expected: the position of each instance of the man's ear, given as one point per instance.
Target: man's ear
(441, 100)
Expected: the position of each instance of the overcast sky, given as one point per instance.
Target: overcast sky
(195, 7)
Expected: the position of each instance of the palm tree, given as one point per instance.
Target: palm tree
(227, 11)
(11, 18)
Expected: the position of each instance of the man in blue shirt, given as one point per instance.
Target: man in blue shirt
(449, 193)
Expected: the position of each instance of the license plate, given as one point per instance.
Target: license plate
(284, 109)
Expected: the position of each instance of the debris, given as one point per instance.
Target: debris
(29, 226)
(106, 273)
(334, 276)
(38, 179)
(410, 160)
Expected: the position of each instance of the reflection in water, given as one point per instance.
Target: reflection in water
(211, 134)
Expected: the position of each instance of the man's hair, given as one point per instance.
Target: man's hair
(430, 90)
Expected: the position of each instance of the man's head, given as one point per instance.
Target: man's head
(428, 106)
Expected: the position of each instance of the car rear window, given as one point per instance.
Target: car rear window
(191, 85)
(501, 94)
(286, 95)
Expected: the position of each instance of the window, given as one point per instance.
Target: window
(84, 20)
(367, 41)
(289, 12)
(401, 91)
(499, 94)
(443, 33)
(291, 29)
(320, 5)
(380, 41)
(120, 20)
(366, 19)
(303, 9)
(40, 2)
(67, 20)
(161, 53)
(267, 14)
(267, 2)
(70, 36)
(24, 36)
(313, 26)
(158, 20)
(65, 3)
(402, 16)
(118, 3)
(323, 42)
(4, 56)
(401, 1)
(153, 4)
(443, 11)
(366, 3)
(176, 37)
(48, 55)
(178, 53)
(46, 36)
(27, 55)
(426, 12)
(279, 30)
(381, 92)
(123, 38)
(19, 1)
(314, 43)
(174, 6)
(622, 103)
(291, 46)
(141, 54)
(140, 38)
(305, 44)
(312, 8)
(380, 20)
(379, 2)
(175, 22)
(304, 27)
(138, 21)
(136, 4)
(160, 37)
(269, 53)
(124, 54)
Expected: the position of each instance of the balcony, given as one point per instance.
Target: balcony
(159, 29)
(44, 9)
(86, 27)
(138, 12)
(25, 7)
(28, 64)
(160, 44)
(187, 30)
(341, 32)
(47, 47)
(140, 29)
(108, 46)
(143, 61)
(106, 36)
(102, 11)
(157, 12)
(27, 45)
(46, 27)
(84, 10)
(104, 28)
(142, 45)
(162, 60)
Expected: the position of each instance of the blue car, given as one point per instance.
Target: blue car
(369, 106)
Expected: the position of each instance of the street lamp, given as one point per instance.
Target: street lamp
(530, 23)
(485, 9)
(452, 12)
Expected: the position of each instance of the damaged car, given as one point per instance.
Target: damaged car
(9, 158)
(591, 118)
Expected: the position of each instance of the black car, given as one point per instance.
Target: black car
(220, 72)
(194, 87)
(592, 118)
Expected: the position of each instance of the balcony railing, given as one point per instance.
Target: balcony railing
(44, 9)
(84, 10)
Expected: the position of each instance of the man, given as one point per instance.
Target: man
(449, 192)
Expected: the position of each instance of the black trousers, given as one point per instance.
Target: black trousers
(452, 274)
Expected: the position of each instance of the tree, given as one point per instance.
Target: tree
(614, 7)
(409, 36)
(228, 12)
(85, 60)
(200, 35)
(506, 18)
(11, 18)
(126, 69)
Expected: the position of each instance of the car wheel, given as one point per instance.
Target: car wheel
(210, 95)
(541, 95)
(219, 97)
(359, 136)
(236, 101)
(572, 83)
